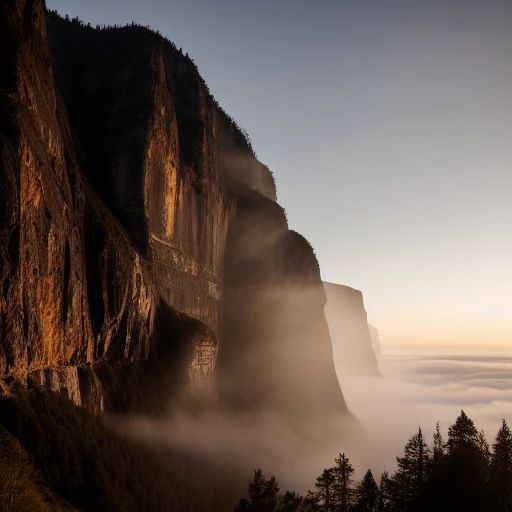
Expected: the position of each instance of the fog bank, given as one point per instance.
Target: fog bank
(418, 390)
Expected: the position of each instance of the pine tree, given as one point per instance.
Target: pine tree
(438, 446)
(343, 486)
(467, 469)
(310, 503)
(408, 481)
(367, 494)
(462, 435)
(435, 488)
(501, 469)
(271, 493)
(257, 487)
(290, 502)
(325, 485)
(384, 504)
(263, 494)
(483, 445)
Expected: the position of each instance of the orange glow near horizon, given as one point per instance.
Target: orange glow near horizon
(456, 333)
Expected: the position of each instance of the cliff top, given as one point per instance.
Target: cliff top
(346, 294)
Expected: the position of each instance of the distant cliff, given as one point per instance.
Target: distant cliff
(137, 225)
(348, 325)
(374, 336)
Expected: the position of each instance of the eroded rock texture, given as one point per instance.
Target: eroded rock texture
(350, 334)
(126, 195)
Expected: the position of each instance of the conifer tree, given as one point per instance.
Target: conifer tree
(257, 487)
(310, 503)
(435, 487)
(483, 445)
(501, 469)
(271, 493)
(325, 489)
(290, 502)
(466, 470)
(408, 481)
(384, 504)
(343, 486)
(438, 446)
(367, 494)
(263, 494)
(462, 435)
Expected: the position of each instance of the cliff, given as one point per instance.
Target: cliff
(275, 349)
(374, 336)
(348, 325)
(138, 226)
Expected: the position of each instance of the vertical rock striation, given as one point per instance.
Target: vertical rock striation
(137, 225)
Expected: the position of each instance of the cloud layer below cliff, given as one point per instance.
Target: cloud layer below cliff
(415, 390)
(418, 390)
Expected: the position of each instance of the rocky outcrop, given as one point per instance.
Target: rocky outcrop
(75, 291)
(145, 129)
(137, 225)
(276, 350)
(374, 336)
(348, 325)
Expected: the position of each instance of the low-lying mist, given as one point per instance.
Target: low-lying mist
(276, 403)
(415, 390)
(239, 443)
(418, 390)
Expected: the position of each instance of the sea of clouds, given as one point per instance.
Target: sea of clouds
(416, 390)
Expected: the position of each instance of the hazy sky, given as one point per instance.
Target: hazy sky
(388, 126)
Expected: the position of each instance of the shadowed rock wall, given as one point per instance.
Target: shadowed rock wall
(145, 127)
(126, 196)
(105, 214)
(276, 353)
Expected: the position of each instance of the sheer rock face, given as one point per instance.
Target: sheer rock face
(125, 191)
(144, 128)
(374, 335)
(44, 290)
(348, 325)
(102, 216)
(276, 352)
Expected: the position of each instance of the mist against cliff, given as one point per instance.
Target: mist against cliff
(265, 418)
(276, 402)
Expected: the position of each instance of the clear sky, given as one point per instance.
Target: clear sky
(388, 126)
